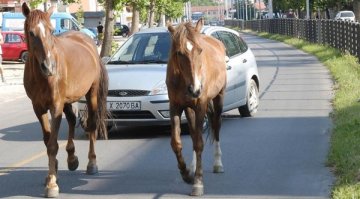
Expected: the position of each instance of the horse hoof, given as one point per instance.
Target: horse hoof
(52, 192)
(189, 179)
(218, 169)
(73, 165)
(91, 169)
(197, 190)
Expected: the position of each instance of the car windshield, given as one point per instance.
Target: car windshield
(347, 14)
(144, 48)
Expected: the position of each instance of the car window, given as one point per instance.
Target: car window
(242, 44)
(12, 38)
(68, 24)
(347, 14)
(231, 43)
(144, 48)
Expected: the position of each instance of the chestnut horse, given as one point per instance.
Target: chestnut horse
(60, 70)
(196, 81)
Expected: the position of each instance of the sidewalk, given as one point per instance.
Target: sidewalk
(13, 73)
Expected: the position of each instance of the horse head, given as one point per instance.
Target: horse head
(40, 40)
(186, 56)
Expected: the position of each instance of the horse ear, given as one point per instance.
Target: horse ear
(50, 11)
(25, 9)
(170, 28)
(199, 25)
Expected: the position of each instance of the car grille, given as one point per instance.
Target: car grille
(127, 93)
(132, 115)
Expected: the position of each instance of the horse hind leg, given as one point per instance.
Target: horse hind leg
(215, 128)
(72, 159)
(92, 105)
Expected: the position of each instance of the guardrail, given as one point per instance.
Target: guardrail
(343, 35)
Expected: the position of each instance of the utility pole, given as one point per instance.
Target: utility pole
(307, 10)
(259, 1)
(270, 15)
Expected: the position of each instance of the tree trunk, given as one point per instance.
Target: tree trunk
(356, 5)
(151, 13)
(161, 22)
(135, 19)
(109, 29)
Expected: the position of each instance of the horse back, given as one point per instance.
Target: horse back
(79, 61)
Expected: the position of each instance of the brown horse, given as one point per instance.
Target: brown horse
(196, 81)
(60, 70)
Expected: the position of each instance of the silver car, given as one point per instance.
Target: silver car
(137, 71)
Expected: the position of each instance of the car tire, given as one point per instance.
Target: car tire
(24, 56)
(124, 34)
(252, 101)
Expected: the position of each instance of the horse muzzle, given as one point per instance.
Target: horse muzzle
(194, 92)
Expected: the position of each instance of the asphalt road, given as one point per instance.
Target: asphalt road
(280, 153)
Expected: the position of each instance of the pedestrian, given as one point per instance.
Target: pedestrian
(1, 67)
(100, 29)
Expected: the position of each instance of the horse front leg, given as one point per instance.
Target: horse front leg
(52, 189)
(72, 159)
(198, 145)
(91, 128)
(176, 145)
(42, 116)
(190, 116)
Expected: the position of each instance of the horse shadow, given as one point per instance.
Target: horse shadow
(32, 132)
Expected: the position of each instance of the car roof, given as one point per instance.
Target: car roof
(205, 30)
(12, 31)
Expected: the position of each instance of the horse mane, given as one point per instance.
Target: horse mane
(184, 32)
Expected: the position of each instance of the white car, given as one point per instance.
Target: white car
(345, 16)
(137, 72)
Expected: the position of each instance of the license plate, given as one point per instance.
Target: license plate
(124, 105)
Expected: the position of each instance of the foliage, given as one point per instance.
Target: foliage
(285, 5)
(35, 3)
(203, 3)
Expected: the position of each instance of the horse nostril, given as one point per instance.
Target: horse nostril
(191, 89)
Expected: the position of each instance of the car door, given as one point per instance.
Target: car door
(12, 46)
(236, 74)
(230, 76)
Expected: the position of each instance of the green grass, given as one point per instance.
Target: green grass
(344, 154)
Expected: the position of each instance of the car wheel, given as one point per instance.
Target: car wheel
(24, 56)
(252, 101)
(124, 34)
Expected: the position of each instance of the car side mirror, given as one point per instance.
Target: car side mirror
(105, 59)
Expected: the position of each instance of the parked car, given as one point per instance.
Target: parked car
(14, 47)
(345, 16)
(121, 30)
(137, 71)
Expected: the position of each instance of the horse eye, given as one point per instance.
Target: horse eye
(31, 33)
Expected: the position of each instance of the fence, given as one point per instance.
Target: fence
(343, 35)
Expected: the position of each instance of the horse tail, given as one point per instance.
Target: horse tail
(102, 112)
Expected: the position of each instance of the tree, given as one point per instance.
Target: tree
(356, 7)
(109, 28)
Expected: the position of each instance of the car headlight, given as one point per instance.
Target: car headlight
(159, 89)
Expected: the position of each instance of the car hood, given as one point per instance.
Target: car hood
(136, 77)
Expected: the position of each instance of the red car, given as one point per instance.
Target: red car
(14, 47)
